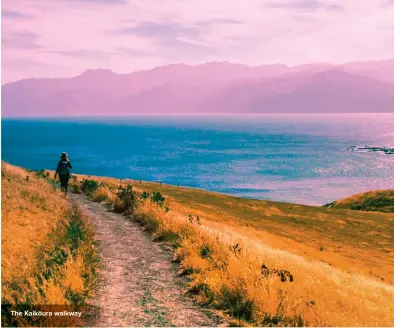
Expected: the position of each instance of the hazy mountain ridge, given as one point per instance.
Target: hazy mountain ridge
(209, 88)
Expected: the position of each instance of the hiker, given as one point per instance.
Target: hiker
(63, 169)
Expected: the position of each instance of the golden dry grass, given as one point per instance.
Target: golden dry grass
(39, 266)
(346, 291)
(320, 294)
(354, 241)
(103, 194)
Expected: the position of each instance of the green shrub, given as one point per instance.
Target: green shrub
(88, 187)
(158, 198)
(41, 174)
(205, 252)
(127, 197)
(145, 195)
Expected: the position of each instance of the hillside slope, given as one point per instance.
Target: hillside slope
(377, 201)
(261, 262)
(264, 262)
(348, 237)
(49, 261)
(355, 241)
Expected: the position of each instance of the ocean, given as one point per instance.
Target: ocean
(293, 158)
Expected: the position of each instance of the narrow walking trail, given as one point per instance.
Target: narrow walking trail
(139, 284)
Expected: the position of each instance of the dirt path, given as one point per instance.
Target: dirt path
(140, 285)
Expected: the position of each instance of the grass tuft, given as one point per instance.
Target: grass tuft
(236, 303)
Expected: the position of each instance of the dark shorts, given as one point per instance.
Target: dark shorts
(64, 179)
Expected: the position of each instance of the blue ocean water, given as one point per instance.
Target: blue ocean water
(294, 158)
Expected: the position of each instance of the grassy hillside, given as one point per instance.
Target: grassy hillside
(48, 255)
(377, 200)
(240, 253)
(355, 241)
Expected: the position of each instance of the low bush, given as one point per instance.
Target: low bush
(89, 187)
(157, 198)
(126, 199)
(145, 195)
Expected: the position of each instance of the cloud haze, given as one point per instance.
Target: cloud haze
(46, 38)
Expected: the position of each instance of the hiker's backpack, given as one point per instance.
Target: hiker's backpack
(64, 168)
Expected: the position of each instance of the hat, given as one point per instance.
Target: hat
(63, 154)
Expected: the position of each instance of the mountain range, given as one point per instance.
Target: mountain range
(218, 87)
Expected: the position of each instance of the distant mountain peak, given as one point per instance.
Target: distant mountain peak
(335, 71)
(98, 72)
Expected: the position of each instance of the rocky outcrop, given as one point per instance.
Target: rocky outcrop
(386, 150)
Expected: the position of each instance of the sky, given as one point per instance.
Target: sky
(63, 38)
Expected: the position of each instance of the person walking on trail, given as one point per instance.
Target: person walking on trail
(63, 169)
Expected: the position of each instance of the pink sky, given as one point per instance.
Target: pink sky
(51, 38)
